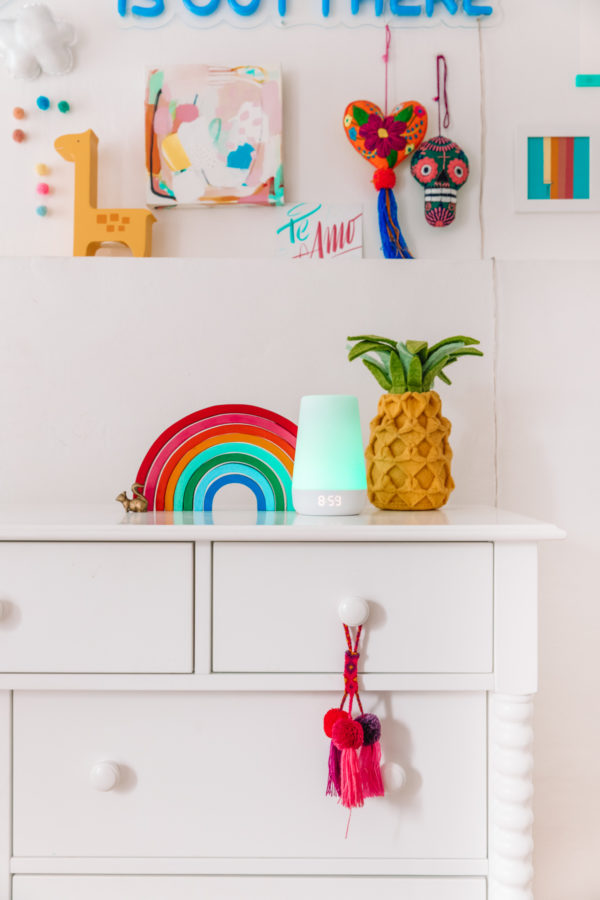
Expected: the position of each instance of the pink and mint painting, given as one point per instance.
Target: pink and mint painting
(214, 136)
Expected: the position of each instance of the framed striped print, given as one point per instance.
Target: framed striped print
(557, 171)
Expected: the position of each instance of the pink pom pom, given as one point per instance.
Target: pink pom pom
(347, 734)
(43, 188)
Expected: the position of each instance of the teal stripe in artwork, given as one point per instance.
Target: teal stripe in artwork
(536, 189)
(581, 168)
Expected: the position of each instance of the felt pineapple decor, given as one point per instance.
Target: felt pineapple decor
(440, 165)
(408, 455)
(355, 754)
(385, 140)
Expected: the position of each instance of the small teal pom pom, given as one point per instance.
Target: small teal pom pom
(63, 106)
(42, 210)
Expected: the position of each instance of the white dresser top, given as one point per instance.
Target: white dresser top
(108, 522)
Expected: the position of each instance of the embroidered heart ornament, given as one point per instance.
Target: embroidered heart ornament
(385, 141)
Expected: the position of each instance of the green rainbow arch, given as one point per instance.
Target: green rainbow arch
(245, 454)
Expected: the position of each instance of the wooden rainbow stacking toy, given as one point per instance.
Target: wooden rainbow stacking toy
(232, 444)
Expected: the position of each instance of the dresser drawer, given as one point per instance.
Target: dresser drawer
(275, 606)
(220, 775)
(96, 607)
(140, 887)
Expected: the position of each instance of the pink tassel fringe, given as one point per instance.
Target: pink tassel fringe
(370, 770)
(334, 788)
(352, 791)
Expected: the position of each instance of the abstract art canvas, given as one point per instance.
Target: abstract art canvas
(556, 169)
(214, 136)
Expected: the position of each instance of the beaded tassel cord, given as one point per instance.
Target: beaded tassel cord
(354, 754)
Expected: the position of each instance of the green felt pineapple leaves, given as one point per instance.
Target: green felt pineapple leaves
(410, 366)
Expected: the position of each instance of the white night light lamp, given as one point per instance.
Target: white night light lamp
(329, 465)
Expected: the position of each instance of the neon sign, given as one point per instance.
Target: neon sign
(286, 12)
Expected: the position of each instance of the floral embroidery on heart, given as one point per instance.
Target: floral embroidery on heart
(383, 134)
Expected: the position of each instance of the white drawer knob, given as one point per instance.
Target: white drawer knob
(104, 776)
(353, 611)
(394, 776)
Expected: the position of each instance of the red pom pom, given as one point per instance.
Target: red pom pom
(347, 734)
(384, 178)
(331, 717)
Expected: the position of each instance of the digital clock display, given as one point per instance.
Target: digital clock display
(329, 500)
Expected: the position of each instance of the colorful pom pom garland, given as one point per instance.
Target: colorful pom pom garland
(354, 768)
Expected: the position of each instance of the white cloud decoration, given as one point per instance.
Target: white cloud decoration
(35, 42)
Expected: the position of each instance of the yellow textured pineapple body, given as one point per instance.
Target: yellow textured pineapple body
(408, 455)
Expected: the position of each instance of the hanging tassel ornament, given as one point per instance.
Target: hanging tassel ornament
(385, 141)
(348, 738)
(355, 755)
(440, 165)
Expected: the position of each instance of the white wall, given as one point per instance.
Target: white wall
(323, 71)
(98, 356)
(547, 466)
(103, 355)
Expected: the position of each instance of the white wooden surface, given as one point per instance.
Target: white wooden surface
(96, 607)
(245, 682)
(516, 620)
(222, 774)
(227, 775)
(246, 866)
(106, 522)
(202, 607)
(275, 606)
(5, 791)
(219, 888)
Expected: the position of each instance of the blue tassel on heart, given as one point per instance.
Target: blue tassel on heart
(392, 239)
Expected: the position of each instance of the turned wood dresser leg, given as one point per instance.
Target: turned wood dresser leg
(510, 797)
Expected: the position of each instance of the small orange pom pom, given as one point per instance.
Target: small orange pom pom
(384, 178)
(19, 112)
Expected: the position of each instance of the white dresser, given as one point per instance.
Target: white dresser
(164, 679)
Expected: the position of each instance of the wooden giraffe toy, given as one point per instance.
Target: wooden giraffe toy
(92, 226)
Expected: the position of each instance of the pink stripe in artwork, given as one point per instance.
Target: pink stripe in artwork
(563, 188)
(562, 168)
(197, 428)
(569, 167)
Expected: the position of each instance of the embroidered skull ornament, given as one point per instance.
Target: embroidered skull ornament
(442, 168)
